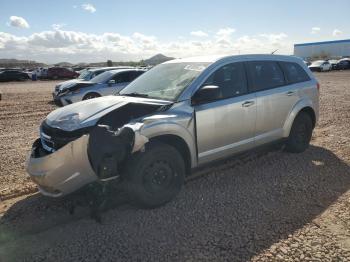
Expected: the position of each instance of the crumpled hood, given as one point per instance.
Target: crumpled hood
(75, 83)
(66, 84)
(90, 111)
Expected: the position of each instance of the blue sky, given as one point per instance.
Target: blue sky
(52, 31)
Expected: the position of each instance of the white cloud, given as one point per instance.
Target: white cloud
(337, 32)
(315, 30)
(18, 21)
(57, 26)
(225, 32)
(199, 33)
(89, 7)
(57, 45)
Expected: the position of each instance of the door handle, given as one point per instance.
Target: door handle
(248, 103)
(290, 93)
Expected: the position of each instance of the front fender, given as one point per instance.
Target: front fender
(169, 127)
(294, 112)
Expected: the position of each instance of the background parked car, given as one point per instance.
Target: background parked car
(86, 75)
(320, 66)
(344, 63)
(40, 72)
(334, 64)
(13, 75)
(61, 73)
(307, 62)
(107, 83)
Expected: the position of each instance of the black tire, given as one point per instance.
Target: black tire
(90, 96)
(300, 134)
(154, 177)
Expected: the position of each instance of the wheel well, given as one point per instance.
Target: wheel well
(180, 145)
(91, 93)
(311, 113)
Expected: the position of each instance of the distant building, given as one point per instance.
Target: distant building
(327, 49)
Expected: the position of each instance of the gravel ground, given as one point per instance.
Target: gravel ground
(265, 206)
(22, 108)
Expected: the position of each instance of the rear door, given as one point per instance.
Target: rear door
(274, 97)
(226, 125)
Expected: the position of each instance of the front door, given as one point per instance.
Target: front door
(121, 79)
(226, 125)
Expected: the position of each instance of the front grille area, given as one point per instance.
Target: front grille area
(53, 139)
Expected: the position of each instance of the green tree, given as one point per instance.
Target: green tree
(109, 63)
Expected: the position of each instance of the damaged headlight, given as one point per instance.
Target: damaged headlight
(63, 92)
(68, 123)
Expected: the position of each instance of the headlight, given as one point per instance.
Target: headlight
(63, 92)
(68, 123)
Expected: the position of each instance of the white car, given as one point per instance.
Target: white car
(320, 66)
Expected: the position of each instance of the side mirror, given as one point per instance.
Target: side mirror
(206, 94)
(111, 82)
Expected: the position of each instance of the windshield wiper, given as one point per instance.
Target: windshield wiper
(134, 94)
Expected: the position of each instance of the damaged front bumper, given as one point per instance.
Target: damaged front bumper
(92, 157)
(62, 172)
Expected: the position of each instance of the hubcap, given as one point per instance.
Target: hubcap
(158, 176)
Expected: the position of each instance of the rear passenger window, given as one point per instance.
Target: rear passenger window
(123, 77)
(265, 75)
(135, 75)
(231, 79)
(294, 73)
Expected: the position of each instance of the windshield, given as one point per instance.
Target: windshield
(85, 75)
(165, 81)
(317, 63)
(103, 77)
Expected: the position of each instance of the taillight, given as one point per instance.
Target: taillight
(318, 86)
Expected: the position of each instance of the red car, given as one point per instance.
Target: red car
(61, 72)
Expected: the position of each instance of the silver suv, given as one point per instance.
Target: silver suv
(177, 116)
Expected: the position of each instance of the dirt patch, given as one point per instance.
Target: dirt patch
(22, 108)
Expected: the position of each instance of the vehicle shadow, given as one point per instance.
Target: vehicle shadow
(233, 213)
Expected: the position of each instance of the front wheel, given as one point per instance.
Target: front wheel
(154, 177)
(300, 134)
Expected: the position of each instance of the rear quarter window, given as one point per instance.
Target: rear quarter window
(294, 73)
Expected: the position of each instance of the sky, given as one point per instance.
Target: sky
(90, 31)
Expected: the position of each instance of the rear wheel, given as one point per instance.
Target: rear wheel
(154, 177)
(90, 96)
(300, 134)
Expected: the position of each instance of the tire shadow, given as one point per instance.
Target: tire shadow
(233, 213)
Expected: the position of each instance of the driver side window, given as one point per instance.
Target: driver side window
(231, 80)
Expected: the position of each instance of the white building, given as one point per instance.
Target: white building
(327, 49)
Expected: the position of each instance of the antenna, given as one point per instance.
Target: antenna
(272, 53)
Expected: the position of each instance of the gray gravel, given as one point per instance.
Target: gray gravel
(271, 206)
